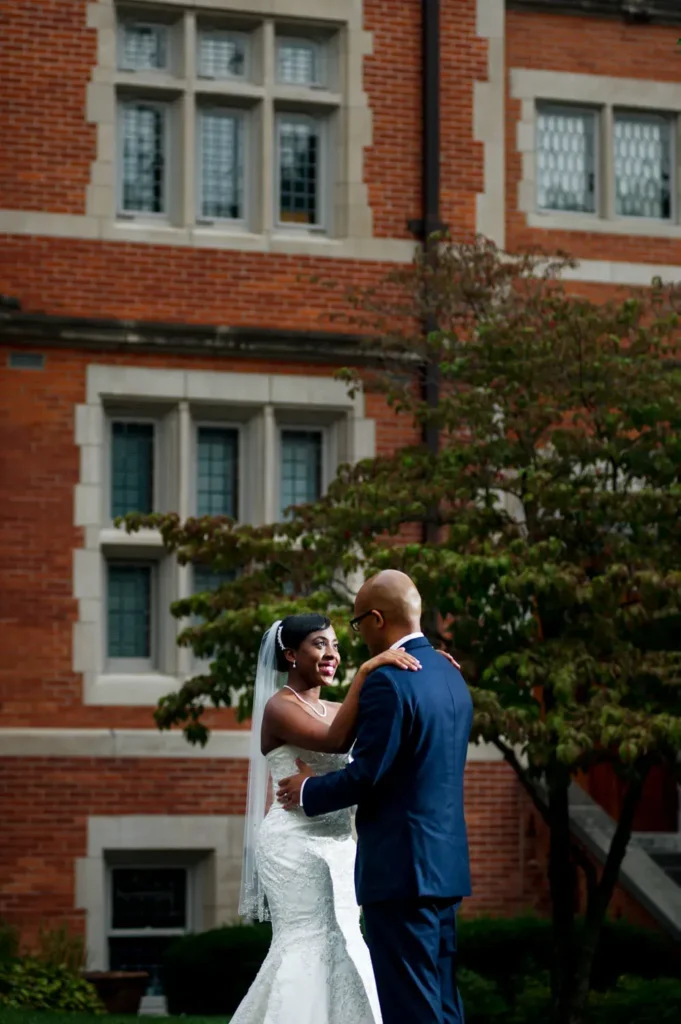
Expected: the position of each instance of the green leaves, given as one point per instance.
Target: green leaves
(556, 573)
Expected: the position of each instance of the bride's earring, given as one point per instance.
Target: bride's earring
(293, 664)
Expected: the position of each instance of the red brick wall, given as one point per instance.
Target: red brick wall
(39, 467)
(49, 53)
(47, 801)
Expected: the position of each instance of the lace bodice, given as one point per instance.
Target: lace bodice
(282, 762)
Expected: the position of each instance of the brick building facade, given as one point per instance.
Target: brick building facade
(174, 177)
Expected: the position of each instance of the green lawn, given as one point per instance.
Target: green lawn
(46, 1017)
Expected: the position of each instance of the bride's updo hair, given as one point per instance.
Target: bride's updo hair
(292, 632)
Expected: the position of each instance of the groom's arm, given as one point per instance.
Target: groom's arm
(379, 734)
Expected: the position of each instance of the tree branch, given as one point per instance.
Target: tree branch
(511, 758)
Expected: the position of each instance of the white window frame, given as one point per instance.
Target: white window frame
(165, 107)
(321, 61)
(228, 33)
(596, 114)
(228, 424)
(156, 488)
(322, 224)
(243, 116)
(326, 433)
(132, 22)
(650, 116)
(133, 666)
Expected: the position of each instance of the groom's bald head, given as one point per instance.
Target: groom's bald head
(396, 606)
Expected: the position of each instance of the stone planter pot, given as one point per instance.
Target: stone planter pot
(120, 991)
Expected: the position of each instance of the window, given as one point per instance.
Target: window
(149, 907)
(299, 153)
(144, 47)
(218, 470)
(643, 162)
(301, 467)
(223, 54)
(600, 154)
(244, 444)
(143, 143)
(299, 62)
(222, 165)
(206, 580)
(566, 159)
(225, 101)
(132, 467)
(129, 615)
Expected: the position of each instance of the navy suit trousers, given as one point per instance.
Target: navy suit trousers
(413, 951)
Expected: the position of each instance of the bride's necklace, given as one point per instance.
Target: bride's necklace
(324, 710)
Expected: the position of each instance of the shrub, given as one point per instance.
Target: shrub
(58, 947)
(32, 985)
(638, 1001)
(503, 974)
(481, 998)
(9, 942)
(505, 950)
(210, 973)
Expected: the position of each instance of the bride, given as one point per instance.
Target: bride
(298, 871)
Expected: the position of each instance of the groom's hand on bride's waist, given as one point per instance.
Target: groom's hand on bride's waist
(289, 792)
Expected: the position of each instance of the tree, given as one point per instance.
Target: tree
(553, 564)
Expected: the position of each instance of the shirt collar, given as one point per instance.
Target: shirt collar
(405, 640)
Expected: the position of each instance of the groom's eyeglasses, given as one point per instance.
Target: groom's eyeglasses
(354, 623)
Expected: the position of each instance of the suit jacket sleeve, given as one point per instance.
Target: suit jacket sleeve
(379, 734)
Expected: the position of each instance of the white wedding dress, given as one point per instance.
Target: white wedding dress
(318, 969)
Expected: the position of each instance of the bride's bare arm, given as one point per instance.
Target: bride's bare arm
(288, 721)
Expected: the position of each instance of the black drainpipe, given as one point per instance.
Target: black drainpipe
(430, 223)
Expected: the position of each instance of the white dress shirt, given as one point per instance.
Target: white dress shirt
(393, 647)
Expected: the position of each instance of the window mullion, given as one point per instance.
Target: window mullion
(187, 127)
(268, 146)
(606, 170)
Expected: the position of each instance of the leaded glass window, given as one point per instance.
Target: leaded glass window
(129, 611)
(145, 47)
(301, 467)
(222, 165)
(144, 129)
(222, 54)
(149, 909)
(299, 62)
(299, 170)
(218, 466)
(566, 159)
(148, 898)
(132, 468)
(643, 161)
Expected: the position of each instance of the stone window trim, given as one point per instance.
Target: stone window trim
(347, 215)
(258, 405)
(606, 95)
(210, 845)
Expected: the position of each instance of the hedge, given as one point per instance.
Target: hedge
(503, 971)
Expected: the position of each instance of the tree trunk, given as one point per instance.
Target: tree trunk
(571, 1002)
(562, 888)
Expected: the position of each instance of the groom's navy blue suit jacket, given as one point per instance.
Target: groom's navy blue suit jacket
(406, 778)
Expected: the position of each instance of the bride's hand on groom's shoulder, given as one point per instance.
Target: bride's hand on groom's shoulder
(447, 655)
(396, 658)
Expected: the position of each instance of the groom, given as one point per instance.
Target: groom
(406, 779)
